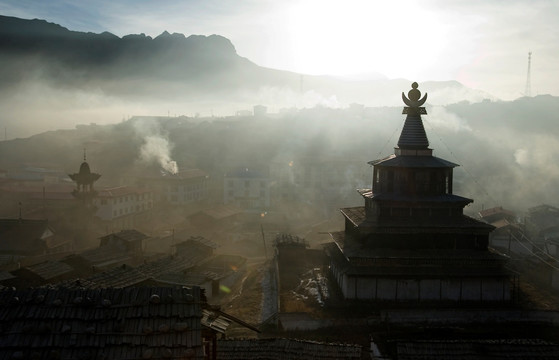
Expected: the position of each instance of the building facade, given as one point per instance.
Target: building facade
(247, 189)
(185, 187)
(123, 207)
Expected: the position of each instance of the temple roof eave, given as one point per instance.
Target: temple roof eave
(408, 199)
(84, 178)
(412, 225)
(413, 162)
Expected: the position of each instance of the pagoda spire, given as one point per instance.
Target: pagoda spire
(413, 136)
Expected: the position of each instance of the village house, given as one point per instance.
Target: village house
(27, 237)
(508, 236)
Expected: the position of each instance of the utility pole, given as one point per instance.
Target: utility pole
(528, 90)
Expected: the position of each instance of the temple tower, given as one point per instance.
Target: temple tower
(84, 180)
(411, 240)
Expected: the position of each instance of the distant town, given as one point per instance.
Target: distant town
(136, 252)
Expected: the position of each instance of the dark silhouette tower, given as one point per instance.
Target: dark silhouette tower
(84, 180)
(411, 241)
(528, 89)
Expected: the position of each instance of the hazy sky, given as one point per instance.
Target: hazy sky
(481, 43)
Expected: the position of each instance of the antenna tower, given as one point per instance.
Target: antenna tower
(528, 90)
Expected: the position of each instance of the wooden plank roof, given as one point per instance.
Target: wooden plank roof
(131, 323)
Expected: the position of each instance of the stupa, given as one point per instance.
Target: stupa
(411, 241)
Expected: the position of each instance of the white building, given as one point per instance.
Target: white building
(122, 207)
(248, 189)
(184, 187)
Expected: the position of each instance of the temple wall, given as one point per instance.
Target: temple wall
(408, 289)
(430, 289)
(386, 289)
(391, 289)
(450, 290)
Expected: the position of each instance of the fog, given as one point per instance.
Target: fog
(176, 102)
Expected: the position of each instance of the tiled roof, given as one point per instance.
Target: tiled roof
(132, 323)
(285, 349)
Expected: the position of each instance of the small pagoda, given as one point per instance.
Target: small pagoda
(411, 240)
(84, 180)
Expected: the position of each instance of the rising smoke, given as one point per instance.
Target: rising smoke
(156, 146)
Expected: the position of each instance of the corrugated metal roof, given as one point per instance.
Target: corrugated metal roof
(50, 269)
(119, 277)
(105, 254)
(129, 235)
(172, 264)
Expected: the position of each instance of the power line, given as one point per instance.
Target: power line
(460, 162)
(533, 253)
(390, 138)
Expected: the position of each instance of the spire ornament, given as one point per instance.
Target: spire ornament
(413, 136)
(413, 101)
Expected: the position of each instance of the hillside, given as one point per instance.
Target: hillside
(507, 151)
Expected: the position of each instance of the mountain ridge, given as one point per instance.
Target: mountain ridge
(73, 77)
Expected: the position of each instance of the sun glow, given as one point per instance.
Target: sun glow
(363, 36)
